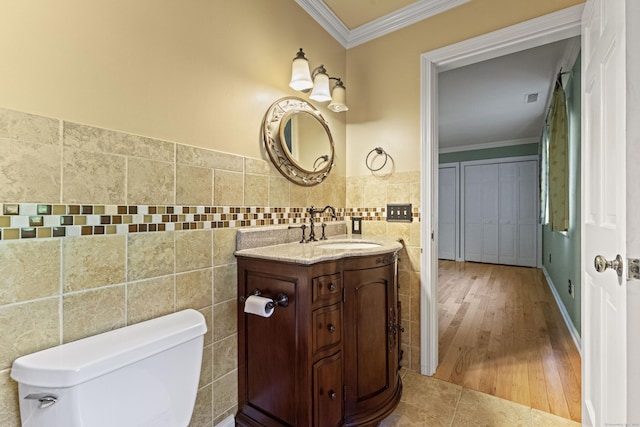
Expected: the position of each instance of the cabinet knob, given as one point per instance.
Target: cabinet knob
(331, 327)
(332, 395)
(332, 287)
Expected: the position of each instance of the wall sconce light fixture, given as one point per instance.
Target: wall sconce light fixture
(317, 82)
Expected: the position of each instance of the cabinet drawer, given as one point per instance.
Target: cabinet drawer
(327, 394)
(327, 327)
(326, 288)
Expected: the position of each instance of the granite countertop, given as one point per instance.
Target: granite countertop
(313, 252)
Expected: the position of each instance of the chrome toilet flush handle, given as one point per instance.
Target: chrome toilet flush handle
(45, 399)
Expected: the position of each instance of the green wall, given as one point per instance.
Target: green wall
(564, 248)
(490, 153)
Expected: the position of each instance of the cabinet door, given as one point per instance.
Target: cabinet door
(371, 342)
(327, 394)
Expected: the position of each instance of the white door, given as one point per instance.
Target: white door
(481, 213)
(604, 334)
(447, 212)
(528, 202)
(507, 212)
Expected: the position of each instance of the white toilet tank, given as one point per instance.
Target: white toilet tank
(143, 375)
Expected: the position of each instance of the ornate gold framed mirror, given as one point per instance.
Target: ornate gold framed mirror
(298, 141)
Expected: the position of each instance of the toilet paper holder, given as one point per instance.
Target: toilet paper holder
(281, 300)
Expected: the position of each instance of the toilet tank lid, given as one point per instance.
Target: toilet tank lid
(79, 361)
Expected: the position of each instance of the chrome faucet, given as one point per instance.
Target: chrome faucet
(312, 212)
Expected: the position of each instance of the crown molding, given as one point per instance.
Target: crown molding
(484, 146)
(401, 18)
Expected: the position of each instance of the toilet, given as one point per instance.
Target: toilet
(143, 375)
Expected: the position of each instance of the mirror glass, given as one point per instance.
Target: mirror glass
(298, 141)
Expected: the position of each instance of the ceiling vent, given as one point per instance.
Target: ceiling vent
(530, 98)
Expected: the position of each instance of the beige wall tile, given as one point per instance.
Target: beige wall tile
(9, 406)
(19, 181)
(93, 261)
(228, 188)
(255, 193)
(375, 194)
(257, 166)
(374, 228)
(151, 298)
(194, 249)
(29, 127)
(203, 410)
(355, 196)
(93, 312)
(29, 270)
(225, 322)
(194, 289)
(150, 255)
(225, 393)
(207, 312)
(398, 193)
(206, 367)
(93, 177)
(208, 158)
(298, 196)
(226, 414)
(225, 356)
(98, 140)
(150, 182)
(279, 191)
(27, 328)
(225, 283)
(194, 185)
(224, 245)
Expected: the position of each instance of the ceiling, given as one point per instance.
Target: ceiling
(480, 105)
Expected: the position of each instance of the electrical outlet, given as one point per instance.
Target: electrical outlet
(400, 212)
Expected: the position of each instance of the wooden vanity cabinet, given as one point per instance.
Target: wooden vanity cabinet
(328, 359)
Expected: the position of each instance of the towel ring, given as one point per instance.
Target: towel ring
(379, 151)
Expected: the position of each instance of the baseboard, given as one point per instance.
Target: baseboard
(230, 421)
(563, 310)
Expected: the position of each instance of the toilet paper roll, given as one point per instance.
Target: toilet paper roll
(258, 306)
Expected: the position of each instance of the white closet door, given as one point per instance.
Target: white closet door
(500, 212)
(508, 213)
(447, 212)
(527, 213)
(481, 213)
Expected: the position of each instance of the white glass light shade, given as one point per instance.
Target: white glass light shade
(300, 75)
(320, 90)
(338, 98)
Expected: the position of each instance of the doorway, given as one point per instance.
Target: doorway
(550, 28)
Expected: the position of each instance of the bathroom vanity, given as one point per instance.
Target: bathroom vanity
(331, 356)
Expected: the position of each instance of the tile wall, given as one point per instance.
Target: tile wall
(376, 192)
(100, 229)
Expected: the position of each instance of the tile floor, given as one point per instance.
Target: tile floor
(431, 402)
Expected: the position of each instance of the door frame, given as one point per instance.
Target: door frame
(550, 28)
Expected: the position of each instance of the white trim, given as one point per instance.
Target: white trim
(563, 310)
(546, 29)
(486, 145)
(230, 421)
(396, 20)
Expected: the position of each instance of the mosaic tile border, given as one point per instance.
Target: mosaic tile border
(32, 220)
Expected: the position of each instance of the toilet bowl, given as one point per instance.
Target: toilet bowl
(141, 375)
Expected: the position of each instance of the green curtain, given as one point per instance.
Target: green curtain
(558, 161)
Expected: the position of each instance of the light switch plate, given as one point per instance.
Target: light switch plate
(399, 212)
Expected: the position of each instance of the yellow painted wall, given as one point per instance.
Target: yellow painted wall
(384, 75)
(199, 72)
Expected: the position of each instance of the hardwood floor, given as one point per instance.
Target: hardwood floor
(501, 333)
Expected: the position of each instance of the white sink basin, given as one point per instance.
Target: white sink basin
(348, 245)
